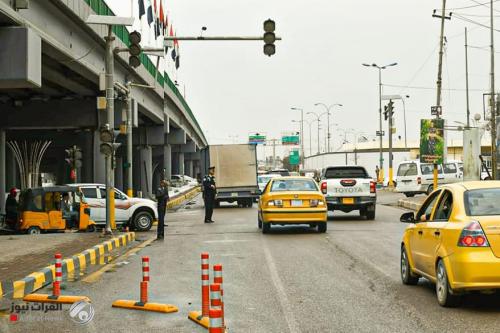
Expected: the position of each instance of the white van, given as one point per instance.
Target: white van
(414, 177)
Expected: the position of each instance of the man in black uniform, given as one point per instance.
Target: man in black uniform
(209, 191)
(162, 197)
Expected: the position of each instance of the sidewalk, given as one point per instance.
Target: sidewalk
(412, 203)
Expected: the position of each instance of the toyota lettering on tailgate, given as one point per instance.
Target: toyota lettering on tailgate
(347, 190)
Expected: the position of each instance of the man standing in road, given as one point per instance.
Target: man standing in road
(162, 197)
(209, 191)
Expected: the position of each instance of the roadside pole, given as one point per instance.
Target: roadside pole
(443, 17)
(110, 111)
(494, 131)
(391, 171)
(130, 185)
(381, 158)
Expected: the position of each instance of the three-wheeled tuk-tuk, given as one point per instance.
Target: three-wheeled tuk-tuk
(55, 208)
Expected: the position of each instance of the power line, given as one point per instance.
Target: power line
(473, 6)
(427, 88)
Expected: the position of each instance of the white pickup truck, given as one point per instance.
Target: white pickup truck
(349, 188)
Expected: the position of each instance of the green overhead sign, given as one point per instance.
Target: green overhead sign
(294, 157)
(290, 139)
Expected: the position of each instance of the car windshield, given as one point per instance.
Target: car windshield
(282, 185)
(407, 169)
(482, 202)
(346, 172)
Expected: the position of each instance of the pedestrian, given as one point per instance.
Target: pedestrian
(377, 173)
(11, 208)
(209, 192)
(162, 197)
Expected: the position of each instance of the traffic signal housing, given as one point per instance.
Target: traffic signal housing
(134, 49)
(269, 37)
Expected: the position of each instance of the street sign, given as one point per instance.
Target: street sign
(256, 139)
(436, 110)
(294, 157)
(432, 142)
(290, 139)
(389, 97)
(378, 133)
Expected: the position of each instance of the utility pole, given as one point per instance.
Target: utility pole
(128, 101)
(391, 171)
(494, 131)
(443, 17)
(110, 111)
(467, 78)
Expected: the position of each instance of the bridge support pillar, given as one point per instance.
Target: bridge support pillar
(167, 160)
(182, 170)
(3, 164)
(99, 163)
(146, 171)
(189, 168)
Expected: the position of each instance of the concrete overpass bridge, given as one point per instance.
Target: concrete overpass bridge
(55, 98)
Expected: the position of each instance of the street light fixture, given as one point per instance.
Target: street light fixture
(380, 68)
(318, 119)
(328, 120)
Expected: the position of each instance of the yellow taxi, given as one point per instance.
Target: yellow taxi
(453, 240)
(292, 200)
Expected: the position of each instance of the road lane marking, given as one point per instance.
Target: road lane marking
(227, 241)
(286, 306)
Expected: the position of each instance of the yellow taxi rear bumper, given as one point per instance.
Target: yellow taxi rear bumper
(290, 215)
(473, 269)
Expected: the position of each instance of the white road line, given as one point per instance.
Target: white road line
(286, 306)
(226, 241)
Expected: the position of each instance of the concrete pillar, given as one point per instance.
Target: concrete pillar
(189, 168)
(3, 187)
(167, 160)
(11, 178)
(119, 174)
(146, 170)
(99, 161)
(181, 164)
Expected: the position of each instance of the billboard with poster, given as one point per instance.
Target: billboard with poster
(432, 141)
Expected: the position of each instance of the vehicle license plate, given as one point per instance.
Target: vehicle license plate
(348, 201)
(296, 203)
(234, 194)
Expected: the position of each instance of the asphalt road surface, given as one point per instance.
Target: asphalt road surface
(292, 280)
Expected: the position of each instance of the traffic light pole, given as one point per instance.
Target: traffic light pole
(130, 185)
(391, 171)
(381, 157)
(110, 111)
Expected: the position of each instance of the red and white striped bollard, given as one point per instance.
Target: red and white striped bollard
(205, 284)
(215, 321)
(218, 279)
(56, 288)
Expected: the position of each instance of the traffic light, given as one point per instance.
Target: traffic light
(269, 37)
(134, 49)
(74, 157)
(108, 137)
(389, 110)
(69, 157)
(386, 112)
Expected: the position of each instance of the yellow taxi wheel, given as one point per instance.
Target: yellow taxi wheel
(406, 275)
(266, 227)
(443, 290)
(259, 221)
(33, 231)
(322, 226)
(91, 228)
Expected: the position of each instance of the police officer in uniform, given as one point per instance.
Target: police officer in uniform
(209, 191)
(162, 197)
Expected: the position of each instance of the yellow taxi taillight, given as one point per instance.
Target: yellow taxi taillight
(277, 203)
(314, 203)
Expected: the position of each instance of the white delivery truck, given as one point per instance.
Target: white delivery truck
(235, 173)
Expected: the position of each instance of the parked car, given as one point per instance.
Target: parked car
(182, 180)
(349, 188)
(137, 213)
(453, 240)
(414, 177)
(292, 201)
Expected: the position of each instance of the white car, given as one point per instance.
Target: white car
(414, 177)
(184, 180)
(137, 213)
(262, 180)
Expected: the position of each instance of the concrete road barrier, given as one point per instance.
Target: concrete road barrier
(409, 204)
(39, 279)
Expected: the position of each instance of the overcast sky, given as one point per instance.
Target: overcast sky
(234, 89)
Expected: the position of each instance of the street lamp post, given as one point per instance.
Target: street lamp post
(318, 119)
(309, 123)
(380, 68)
(404, 115)
(301, 133)
(328, 108)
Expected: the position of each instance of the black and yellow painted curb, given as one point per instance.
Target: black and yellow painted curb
(180, 199)
(37, 280)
